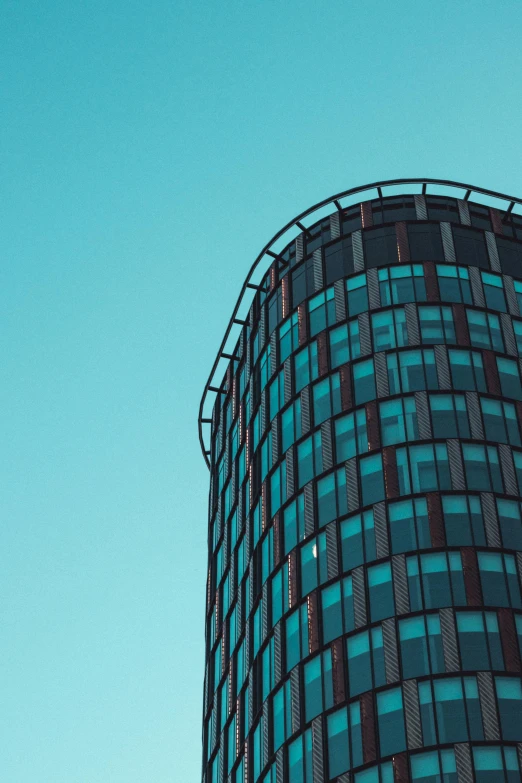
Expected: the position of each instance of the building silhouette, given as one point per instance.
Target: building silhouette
(363, 428)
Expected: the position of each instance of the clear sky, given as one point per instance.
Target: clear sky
(149, 149)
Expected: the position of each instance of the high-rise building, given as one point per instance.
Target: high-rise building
(364, 610)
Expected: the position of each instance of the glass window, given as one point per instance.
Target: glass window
(321, 310)
(450, 710)
(484, 330)
(400, 284)
(482, 467)
(313, 564)
(327, 398)
(517, 329)
(414, 647)
(300, 759)
(389, 329)
(364, 381)
(510, 523)
(344, 343)
(380, 591)
(435, 580)
(427, 713)
(463, 520)
(390, 718)
(331, 497)
(318, 689)
(429, 467)
(425, 242)
(338, 740)
(409, 525)
(488, 763)
(500, 421)
(509, 696)
(357, 295)
(357, 540)
(449, 416)
(293, 523)
(411, 371)
(332, 612)
(351, 437)
(296, 636)
(432, 768)
(470, 247)
(291, 428)
(282, 715)
(380, 246)
(309, 458)
(436, 325)
(467, 370)
(454, 284)
(493, 579)
(306, 367)
(372, 482)
(494, 292)
(509, 378)
(359, 663)
(472, 641)
(398, 421)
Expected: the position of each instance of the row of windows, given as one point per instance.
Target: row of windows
(408, 528)
(416, 583)
(447, 416)
(400, 284)
(449, 710)
(407, 371)
(397, 285)
(476, 643)
(419, 469)
(490, 764)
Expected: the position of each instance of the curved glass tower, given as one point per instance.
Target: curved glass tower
(364, 439)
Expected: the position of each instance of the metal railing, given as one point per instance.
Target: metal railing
(226, 348)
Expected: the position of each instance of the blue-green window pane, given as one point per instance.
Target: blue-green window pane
(364, 381)
(338, 742)
(372, 482)
(392, 736)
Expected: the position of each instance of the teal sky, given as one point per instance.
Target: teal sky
(148, 152)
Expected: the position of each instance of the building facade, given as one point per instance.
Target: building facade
(364, 608)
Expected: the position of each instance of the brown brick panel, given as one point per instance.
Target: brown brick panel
(461, 324)
(403, 248)
(508, 636)
(285, 295)
(292, 579)
(391, 478)
(264, 505)
(436, 522)
(401, 772)
(322, 353)
(302, 328)
(368, 727)
(496, 220)
(277, 539)
(339, 693)
(273, 276)
(491, 372)
(366, 214)
(313, 622)
(372, 425)
(471, 577)
(346, 387)
(432, 284)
